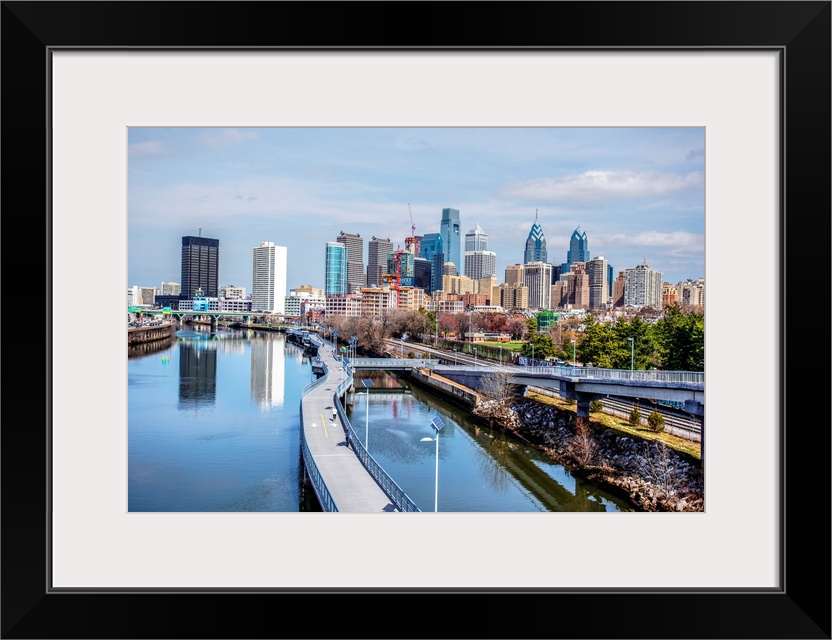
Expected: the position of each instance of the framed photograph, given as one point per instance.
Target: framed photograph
(755, 75)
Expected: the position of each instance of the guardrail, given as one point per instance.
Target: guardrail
(653, 375)
(362, 363)
(399, 498)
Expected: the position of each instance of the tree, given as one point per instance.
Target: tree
(680, 340)
(635, 417)
(596, 405)
(517, 328)
(499, 390)
(583, 446)
(655, 420)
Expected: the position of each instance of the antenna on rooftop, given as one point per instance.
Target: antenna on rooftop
(200, 232)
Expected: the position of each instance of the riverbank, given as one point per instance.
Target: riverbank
(648, 474)
(652, 476)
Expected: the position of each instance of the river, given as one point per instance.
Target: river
(213, 425)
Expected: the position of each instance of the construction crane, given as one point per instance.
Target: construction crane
(410, 242)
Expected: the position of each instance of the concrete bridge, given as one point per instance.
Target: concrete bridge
(583, 384)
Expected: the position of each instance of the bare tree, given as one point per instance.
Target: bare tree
(583, 446)
(499, 390)
(659, 466)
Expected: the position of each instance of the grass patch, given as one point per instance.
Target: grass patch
(689, 447)
(508, 346)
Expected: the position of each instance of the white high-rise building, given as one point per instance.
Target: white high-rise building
(268, 278)
(643, 287)
(538, 278)
(599, 286)
(480, 264)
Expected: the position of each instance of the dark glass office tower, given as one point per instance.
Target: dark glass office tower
(200, 267)
(449, 230)
(535, 244)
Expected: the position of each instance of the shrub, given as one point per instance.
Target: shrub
(655, 421)
(595, 406)
(635, 417)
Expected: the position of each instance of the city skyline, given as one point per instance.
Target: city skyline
(637, 193)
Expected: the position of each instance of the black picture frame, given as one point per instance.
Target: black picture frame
(800, 31)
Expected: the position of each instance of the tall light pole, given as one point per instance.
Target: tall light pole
(501, 354)
(367, 384)
(632, 347)
(475, 355)
(573, 352)
(532, 353)
(437, 424)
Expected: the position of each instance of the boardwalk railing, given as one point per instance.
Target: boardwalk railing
(321, 490)
(398, 497)
(388, 485)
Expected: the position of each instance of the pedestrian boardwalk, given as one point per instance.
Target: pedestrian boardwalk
(351, 487)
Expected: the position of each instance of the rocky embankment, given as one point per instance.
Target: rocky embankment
(652, 476)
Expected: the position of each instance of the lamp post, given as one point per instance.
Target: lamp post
(367, 384)
(632, 346)
(532, 353)
(501, 354)
(573, 352)
(437, 424)
(475, 355)
(353, 342)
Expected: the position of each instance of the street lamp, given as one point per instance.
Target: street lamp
(437, 424)
(475, 355)
(532, 353)
(632, 345)
(367, 384)
(573, 352)
(501, 353)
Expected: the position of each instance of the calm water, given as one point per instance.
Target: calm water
(213, 425)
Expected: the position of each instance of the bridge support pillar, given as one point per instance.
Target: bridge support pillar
(214, 321)
(695, 407)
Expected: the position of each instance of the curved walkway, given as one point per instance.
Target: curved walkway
(351, 487)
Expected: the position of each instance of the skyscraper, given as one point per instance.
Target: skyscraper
(355, 259)
(539, 281)
(200, 266)
(449, 230)
(643, 287)
(578, 248)
(535, 244)
(377, 251)
(336, 269)
(480, 264)
(431, 250)
(268, 278)
(476, 240)
(598, 271)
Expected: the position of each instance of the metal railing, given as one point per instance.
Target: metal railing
(653, 375)
(399, 498)
(393, 363)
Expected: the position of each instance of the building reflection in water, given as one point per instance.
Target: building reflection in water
(268, 370)
(197, 373)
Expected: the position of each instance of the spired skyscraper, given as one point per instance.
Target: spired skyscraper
(200, 267)
(578, 248)
(449, 230)
(535, 244)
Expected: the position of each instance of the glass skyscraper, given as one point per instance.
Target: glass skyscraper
(200, 267)
(535, 244)
(431, 250)
(449, 230)
(578, 248)
(336, 269)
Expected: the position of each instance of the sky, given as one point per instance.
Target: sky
(638, 193)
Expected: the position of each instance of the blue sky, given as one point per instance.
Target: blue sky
(638, 193)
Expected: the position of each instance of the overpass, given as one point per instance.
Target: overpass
(585, 384)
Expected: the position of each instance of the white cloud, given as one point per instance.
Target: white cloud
(224, 138)
(147, 149)
(605, 185)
